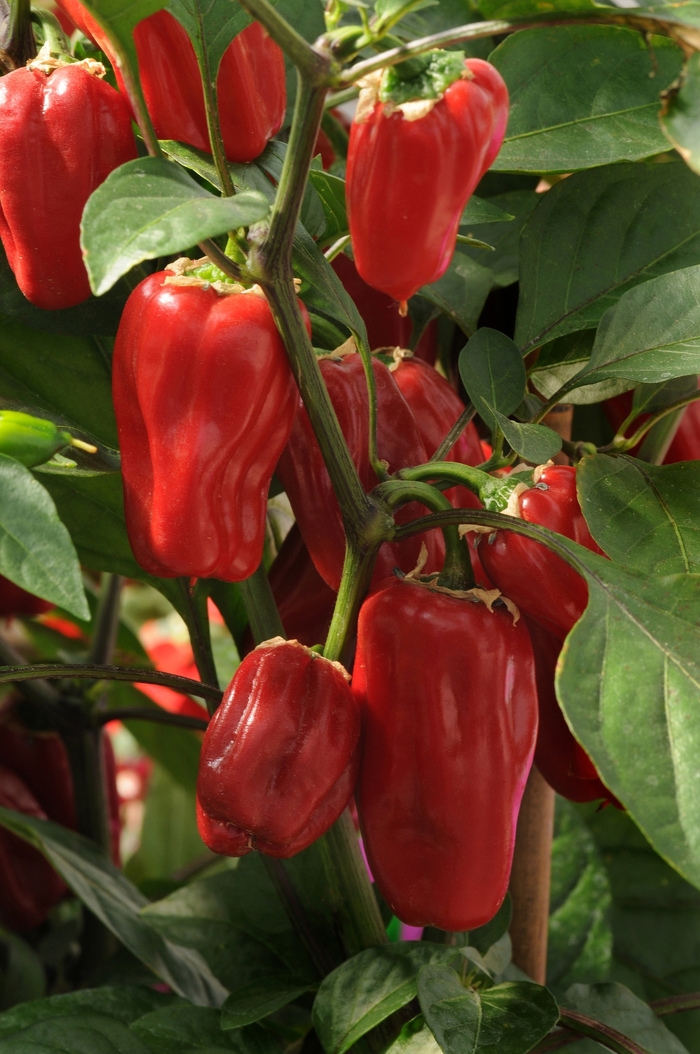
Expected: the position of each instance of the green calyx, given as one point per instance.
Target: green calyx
(495, 493)
(424, 77)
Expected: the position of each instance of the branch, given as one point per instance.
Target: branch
(161, 717)
(307, 60)
(601, 1033)
(79, 671)
(676, 1004)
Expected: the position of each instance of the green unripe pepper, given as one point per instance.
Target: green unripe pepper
(32, 440)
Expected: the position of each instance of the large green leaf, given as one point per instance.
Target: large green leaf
(580, 939)
(509, 1018)
(493, 373)
(629, 684)
(124, 1003)
(503, 237)
(562, 359)
(368, 988)
(149, 208)
(36, 550)
(615, 1005)
(655, 918)
(69, 377)
(461, 292)
(680, 117)
(258, 999)
(185, 1029)
(582, 96)
(646, 516)
(575, 263)
(83, 1034)
(117, 903)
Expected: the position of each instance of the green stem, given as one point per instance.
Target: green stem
(600, 1032)
(221, 260)
(106, 620)
(473, 479)
(307, 59)
(194, 612)
(82, 671)
(21, 45)
(339, 97)
(53, 34)
(378, 467)
(158, 716)
(676, 1004)
(359, 920)
(211, 109)
(457, 570)
(263, 616)
(659, 438)
(284, 887)
(357, 574)
(622, 445)
(645, 23)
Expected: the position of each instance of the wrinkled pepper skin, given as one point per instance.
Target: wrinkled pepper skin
(409, 181)
(62, 135)
(251, 85)
(562, 761)
(279, 758)
(307, 483)
(205, 402)
(29, 886)
(449, 720)
(535, 579)
(304, 601)
(386, 328)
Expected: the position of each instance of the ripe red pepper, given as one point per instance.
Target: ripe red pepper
(205, 402)
(63, 132)
(386, 328)
(535, 579)
(250, 85)
(279, 759)
(41, 761)
(17, 601)
(29, 886)
(411, 172)
(449, 709)
(307, 483)
(304, 601)
(560, 758)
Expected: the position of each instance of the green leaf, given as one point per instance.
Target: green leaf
(493, 372)
(21, 973)
(117, 903)
(562, 359)
(575, 264)
(150, 208)
(68, 377)
(331, 192)
(582, 96)
(181, 1029)
(84, 1034)
(628, 682)
(509, 1018)
(415, 1038)
(487, 935)
(680, 115)
(505, 239)
(258, 999)
(615, 1005)
(313, 216)
(655, 918)
(580, 939)
(36, 551)
(169, 839)
(211, 27)
(122, 1002)
(483, 210)
(645, 516)
(461, 292)
(652, 334)
(648, 397)
(535, 443)
(368, 988)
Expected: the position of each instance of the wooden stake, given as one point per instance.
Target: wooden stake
(530, 878)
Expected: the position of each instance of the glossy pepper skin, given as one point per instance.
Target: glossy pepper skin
(535, 579)
(304, 601)
(449, 720)
(251, 85)
(409, 180)
(279, 758)
(205, 402)
(307, 483)
(62, 135)
(386, 328)
(562, 761)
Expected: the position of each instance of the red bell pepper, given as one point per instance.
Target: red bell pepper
(41, 761)
(205, 402)
(17, 601)
(250, 85)
(63, 132)
(386, 328)
(29, 886)
(414, 162)
(449, 708)
(560, 758)
(308, 484)
(304, 601)
(535, 579)
(279, 759)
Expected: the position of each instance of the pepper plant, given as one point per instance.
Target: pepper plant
(564, 289)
